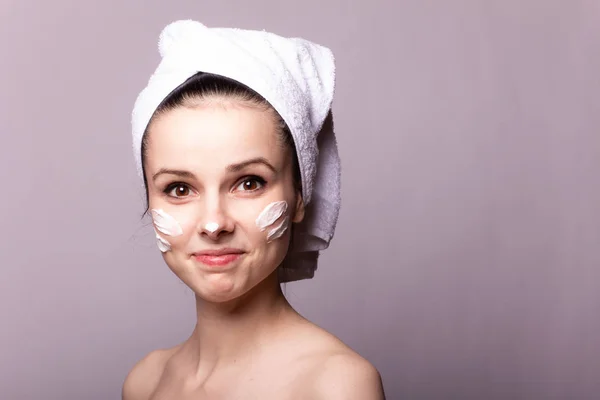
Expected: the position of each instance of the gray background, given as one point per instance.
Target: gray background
(466, 260)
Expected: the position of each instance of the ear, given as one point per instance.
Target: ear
(299, 212)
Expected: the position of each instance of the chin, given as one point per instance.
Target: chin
(221, 287)
(219, 291)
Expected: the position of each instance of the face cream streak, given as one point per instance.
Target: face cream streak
(279, 230)
(163, 245)
(270, 214)
(166, 223)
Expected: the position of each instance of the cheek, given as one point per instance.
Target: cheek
(244, 216)
(165, 223)
(174, 225)
(188, 221)
(270, 214)
(278, 230)
(273, 221)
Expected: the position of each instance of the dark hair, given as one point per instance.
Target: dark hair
(204, 86)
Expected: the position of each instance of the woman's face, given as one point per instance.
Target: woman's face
(212, 170)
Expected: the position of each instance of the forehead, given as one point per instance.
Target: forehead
(214, 134)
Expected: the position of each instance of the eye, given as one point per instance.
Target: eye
(177, 190)
(251, 184)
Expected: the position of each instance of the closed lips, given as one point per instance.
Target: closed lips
(218, 258)
(220, 252)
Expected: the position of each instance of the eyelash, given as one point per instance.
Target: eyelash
(172, 186)
(256, 178)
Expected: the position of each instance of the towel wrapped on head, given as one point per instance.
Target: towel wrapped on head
(297, 77)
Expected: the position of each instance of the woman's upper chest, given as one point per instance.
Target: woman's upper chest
(282, 381)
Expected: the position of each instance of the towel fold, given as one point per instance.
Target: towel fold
(297, 77)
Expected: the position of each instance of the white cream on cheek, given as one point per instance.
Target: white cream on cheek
(166, 224)
(279, 230)
(269, 216)
(163, 245)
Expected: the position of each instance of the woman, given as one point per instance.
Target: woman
(240, 203)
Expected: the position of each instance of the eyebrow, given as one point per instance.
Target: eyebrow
(258, 160)
(178, 172)
(231, 168)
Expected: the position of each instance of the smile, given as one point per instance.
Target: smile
(218, 258)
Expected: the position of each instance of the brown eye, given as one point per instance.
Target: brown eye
(251, 184)
(182, 191)
(178, 190)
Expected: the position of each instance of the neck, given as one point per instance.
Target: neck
(232, 331)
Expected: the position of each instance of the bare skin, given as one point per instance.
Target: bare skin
(286, 363)
(248, 343)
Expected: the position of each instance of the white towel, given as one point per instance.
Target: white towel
(297, 77)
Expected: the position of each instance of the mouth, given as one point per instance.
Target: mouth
(218, 258)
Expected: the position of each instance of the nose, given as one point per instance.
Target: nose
(215, 221)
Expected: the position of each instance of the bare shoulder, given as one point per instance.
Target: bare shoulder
(339, 372)
(347, 375)
(145, 374)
